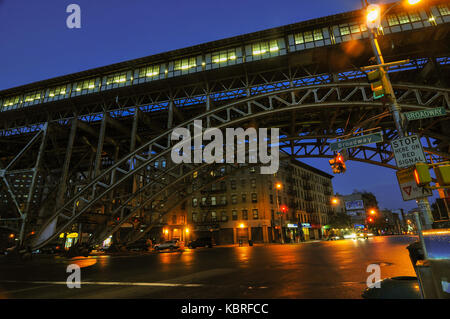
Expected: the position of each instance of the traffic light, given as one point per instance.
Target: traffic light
(375, 78)
(284, 208)
(370, 220)
(338, 164)
(443, 175)
(422, 174)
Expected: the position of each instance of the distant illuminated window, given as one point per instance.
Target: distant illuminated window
(344, 30)
(60, 90)
(185, 64)
(392, 20)
(318, 35)
(32, 96)
(443, 9)
(116, 78)
(263, 47)
(403, 18)
(363, 27)
(414, 16)
(149, 71)
(223, 56)
(11, 101)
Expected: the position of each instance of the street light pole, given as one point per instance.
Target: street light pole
(422, 203)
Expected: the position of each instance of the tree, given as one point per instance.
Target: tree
(340, 220)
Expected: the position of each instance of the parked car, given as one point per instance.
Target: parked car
(201, 242)
(50, 249)
(171, 244)
(140, 245)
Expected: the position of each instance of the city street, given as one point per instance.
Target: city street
(331, 269)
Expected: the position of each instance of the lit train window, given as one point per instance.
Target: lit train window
(414, 17)
(403, 18)
(32, 96)
(308, 36)
(318, 35)
(149, 71)
(116, 78)
(263, 47)
(443, 9)
(185, 64)
(392, 20)
(11, 101)
(223, 56)
(60, 90)
(344, 30)
(86, 85)
(299, 38)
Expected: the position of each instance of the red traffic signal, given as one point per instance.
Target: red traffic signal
(284, 208)
(370, 220)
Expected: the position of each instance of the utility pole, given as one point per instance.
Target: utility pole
(422, 203)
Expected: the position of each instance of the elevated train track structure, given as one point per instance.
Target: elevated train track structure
(90, 151)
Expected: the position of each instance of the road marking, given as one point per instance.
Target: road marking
(106, 283)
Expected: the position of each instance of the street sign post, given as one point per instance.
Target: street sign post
(357, 141)
(423, 114)
(408, 186)
(408, 151)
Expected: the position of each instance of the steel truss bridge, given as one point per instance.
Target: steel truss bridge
(94, 162)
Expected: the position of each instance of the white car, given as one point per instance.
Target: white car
(171, 244)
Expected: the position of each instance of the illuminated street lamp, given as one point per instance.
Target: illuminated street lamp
(241, 225)
(334, 201)
(279, 186)
(372, 212)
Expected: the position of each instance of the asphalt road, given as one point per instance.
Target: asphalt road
(334, 269)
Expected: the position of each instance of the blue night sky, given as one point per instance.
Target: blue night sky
(36, 45)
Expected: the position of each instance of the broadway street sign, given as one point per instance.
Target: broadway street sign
(357, 141)
(423, 114)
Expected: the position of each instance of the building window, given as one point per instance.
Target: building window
(263, 47)
(242, 183)
(213, 216)
(255, 214)
(203, 200)
(224, 216)
(244, 198)
(11, 101)
(223, 200)
(253, 182)
(185, 64)
(194, 202)
(233, 184)
(252, 169)
(174, 219)
(213, 200)
(149, 71)
(254, 198)
(414, 17)
(244, 214)
(223, 56)
(344, 30)
(234, 199)
(234, 215)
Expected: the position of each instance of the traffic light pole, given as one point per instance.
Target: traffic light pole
(422, 203)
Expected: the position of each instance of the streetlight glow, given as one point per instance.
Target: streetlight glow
(278, 185)
(335, 201)
(241, 225)
(413, 2)
(373, 13)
